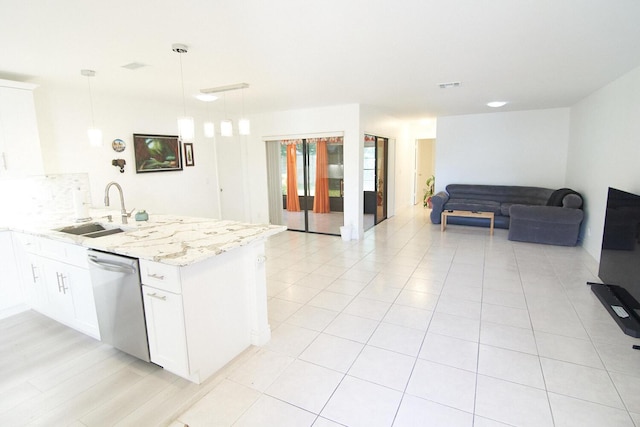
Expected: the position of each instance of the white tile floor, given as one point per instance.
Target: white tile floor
(414, 327)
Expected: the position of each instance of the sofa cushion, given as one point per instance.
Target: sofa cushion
(473, 205)
(500, 193)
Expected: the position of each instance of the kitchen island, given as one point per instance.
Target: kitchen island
(203, 283)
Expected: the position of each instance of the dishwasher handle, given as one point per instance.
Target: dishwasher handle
(115, 266)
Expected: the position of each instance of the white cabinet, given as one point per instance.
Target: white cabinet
(164, 313)
(20, 151)
(199, 317)
(56, 281)
(70, 295)
(11, 298)
(165, 328)
(84, 304)
(29, 267)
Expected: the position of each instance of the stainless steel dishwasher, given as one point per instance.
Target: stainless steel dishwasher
(118, 295)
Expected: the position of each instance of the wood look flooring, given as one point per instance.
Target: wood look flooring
(52, 375)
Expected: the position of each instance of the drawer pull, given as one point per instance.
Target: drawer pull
(34, 273)
(154, 295)
(156, 276)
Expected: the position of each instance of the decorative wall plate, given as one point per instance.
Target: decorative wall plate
(118, 145)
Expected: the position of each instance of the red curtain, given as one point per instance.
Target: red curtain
(293, 203)
(321, 198)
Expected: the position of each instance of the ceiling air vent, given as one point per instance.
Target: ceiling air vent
(449, 85)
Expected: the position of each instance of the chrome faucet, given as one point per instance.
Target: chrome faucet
(123, 211)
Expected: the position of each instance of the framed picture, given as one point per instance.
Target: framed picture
(157, 153)
(188, 154)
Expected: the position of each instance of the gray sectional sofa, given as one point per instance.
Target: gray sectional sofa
(532, 214)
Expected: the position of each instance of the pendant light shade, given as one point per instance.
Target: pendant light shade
(209, 129)
(95, 137)
(244, 127)
(94, 134)
(226, 128)
(186, 129)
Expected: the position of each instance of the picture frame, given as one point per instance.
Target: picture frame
(188, 154)
(157, 153)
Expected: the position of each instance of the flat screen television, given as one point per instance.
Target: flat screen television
(619, 267)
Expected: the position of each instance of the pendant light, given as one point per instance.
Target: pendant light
(226, 126)
(94, 134)
(186, 129)
(208, 127)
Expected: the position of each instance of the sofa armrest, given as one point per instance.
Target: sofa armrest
(437, 205)
(572, 201)
(546, 214)
(553, 225)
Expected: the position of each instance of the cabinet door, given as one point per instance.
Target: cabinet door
(84, 305)
(20, 153)
(70, 296)
(57, 281)
(165, 328)
(33, 282)
(11, 298)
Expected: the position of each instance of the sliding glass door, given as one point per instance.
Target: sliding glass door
(375, 180)
(312, 178)
(381, 178)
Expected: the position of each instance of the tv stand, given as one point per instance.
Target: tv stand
(620, 305)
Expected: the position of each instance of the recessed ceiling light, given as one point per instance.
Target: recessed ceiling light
(449, 85)
(206, 97)
(496, 104)
(133, 66)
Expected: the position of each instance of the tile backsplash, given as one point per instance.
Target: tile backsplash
(42, 195)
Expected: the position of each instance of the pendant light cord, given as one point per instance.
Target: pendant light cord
(184, 104)
(93, 122)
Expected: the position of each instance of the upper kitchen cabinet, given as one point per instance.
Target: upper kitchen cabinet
(20, 151)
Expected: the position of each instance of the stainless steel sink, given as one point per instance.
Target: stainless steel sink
(81, 229)
(107, 232)
(92, 229)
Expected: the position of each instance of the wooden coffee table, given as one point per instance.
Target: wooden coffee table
(468, 214)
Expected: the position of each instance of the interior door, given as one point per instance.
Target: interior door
(425, 166)
(231, 180)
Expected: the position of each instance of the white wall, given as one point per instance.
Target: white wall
(64, 115)
(374, 121)
(63, 118)
(604, 150)
(511, 148)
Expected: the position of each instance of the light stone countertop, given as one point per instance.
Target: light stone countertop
(169, 239)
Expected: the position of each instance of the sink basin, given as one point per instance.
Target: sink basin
(81, 229)
(106, 232)
(92, 229)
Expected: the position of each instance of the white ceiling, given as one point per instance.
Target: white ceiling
(296, 54)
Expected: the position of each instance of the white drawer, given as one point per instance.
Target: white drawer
(161, 276)
(77, 255)
(66, 252)
(27, 242)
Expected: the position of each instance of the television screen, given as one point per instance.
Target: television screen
(620, 255)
